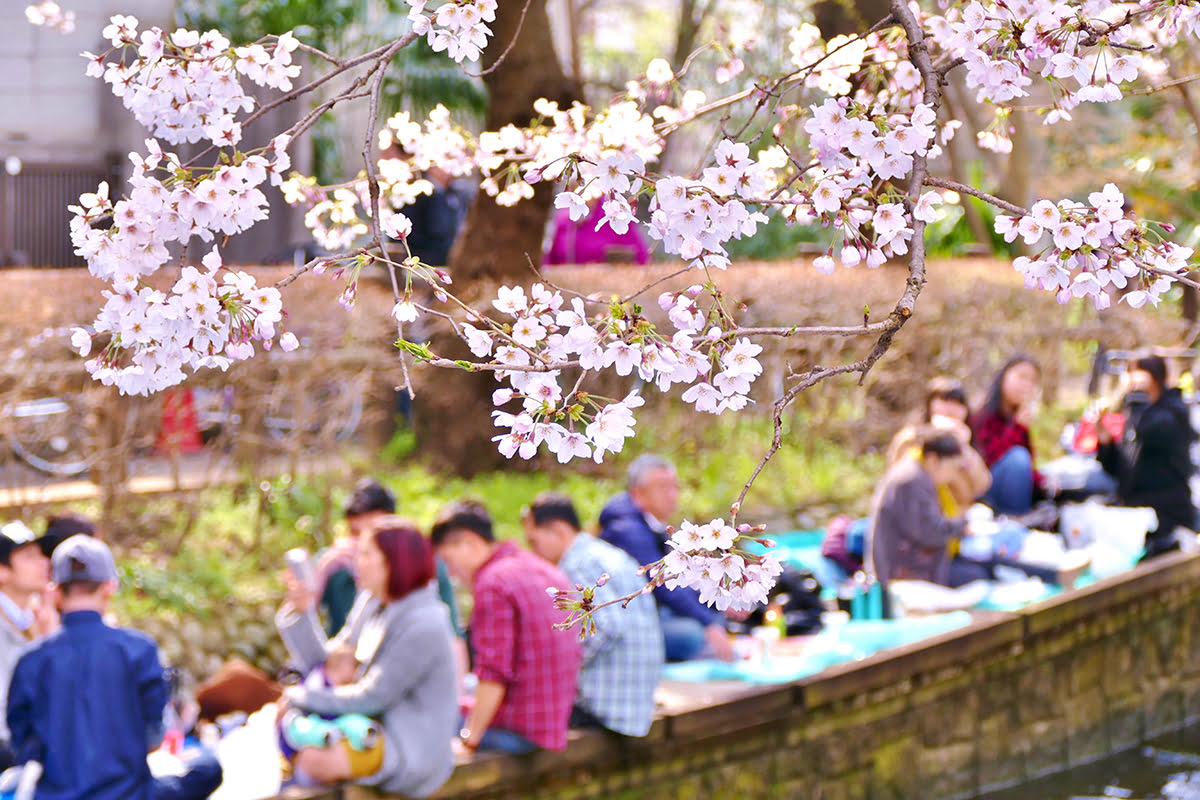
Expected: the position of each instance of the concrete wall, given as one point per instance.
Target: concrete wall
(1009, 698)
(50, 111)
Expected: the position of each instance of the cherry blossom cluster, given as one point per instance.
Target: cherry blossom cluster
(547, 336)
(50, 14)
(210, 318)
(458, 27)
(207, 319)
(693, 218)
(855, 147)
(707, 558)
(185, 86)
(1078, 48)
(574, 139)
(1093, 250)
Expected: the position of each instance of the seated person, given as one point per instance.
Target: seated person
(87, 702)
(636, 523)
(527, 666)
(1000, 432)
(623, 657)
(911, 538)
(946, 409)
(405, 676)
(1152, 463)
(333, 578)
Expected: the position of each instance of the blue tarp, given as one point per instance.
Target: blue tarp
(838, 644)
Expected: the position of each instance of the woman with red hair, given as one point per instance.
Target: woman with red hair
(406, 679)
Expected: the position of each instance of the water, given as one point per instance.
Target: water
(1166, 769)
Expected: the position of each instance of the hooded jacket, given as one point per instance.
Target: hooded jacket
(1153, 463)
(623, 525)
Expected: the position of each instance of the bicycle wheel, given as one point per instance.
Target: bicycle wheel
(50, 435)
(328, 411)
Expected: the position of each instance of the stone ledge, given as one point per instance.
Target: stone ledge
(876, 701)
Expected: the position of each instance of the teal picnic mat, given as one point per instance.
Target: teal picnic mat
(837, 644)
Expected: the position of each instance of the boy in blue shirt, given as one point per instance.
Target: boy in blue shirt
(87, 702)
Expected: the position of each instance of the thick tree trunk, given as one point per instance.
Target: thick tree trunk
(497, 241)
(452, 410)
(846, 17)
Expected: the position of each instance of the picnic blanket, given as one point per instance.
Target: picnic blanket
(836, 644)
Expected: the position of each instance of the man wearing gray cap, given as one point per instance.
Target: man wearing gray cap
(25, 614)
(86, 703)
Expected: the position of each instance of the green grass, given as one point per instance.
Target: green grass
(234, 553)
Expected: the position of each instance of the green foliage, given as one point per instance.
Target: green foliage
(777, 239)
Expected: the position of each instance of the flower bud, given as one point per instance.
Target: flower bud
(603, 579)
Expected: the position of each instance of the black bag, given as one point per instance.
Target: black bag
(799, 593)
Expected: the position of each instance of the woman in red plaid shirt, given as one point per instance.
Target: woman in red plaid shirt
(1000, 432)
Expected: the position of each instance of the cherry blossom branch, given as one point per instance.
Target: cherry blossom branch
(918, 54)
(962, 188)
(507, 50)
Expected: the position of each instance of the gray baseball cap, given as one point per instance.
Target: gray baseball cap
(82, 558)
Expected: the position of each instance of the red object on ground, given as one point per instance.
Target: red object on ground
(1085, 435)
(173, 742)
(178, 432)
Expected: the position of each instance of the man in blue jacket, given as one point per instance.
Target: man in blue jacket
(87, 702)
(636, 522)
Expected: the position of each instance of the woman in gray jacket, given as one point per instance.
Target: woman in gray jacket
(406, 678)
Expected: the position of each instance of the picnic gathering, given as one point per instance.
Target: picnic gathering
(390, 684)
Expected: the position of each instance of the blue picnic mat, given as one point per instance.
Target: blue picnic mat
(837, 644)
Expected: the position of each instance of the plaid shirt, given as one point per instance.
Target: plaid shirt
(623, 658)
(994, 434)
(516, 644)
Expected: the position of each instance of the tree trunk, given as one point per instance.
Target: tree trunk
(497, 241)
(847, 17)
(452, 409)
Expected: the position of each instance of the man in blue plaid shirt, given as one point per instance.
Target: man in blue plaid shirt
(623, 659)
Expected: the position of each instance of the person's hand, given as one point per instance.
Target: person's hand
(953, 426)
(299, 596)
(718, 639)
(282, 706)
(1025, 415)
(737, 614)
(45, 618)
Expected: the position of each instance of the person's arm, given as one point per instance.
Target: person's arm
(488, 697)
(153, 691)
(21, 694)
(493, 640)
(400, 663)
(915, 503)
(977, 478)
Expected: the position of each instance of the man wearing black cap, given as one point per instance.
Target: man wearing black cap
(24, 574)
(86, 703)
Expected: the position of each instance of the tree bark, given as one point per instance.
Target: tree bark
(498, 242)
(452, 409)
(847, 17)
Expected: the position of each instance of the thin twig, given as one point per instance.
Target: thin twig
(507, 50)
(962, 188)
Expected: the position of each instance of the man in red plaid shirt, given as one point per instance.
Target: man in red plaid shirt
(527, 669)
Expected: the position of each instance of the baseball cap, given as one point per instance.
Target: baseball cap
(13, 536)
(82, 558)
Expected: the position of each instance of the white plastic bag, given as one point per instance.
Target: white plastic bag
(249, 757)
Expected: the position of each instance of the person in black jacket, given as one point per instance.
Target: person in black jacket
(1152, 463)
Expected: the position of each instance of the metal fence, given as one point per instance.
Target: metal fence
(33, 212)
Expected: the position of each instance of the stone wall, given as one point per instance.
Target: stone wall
(1009, 698)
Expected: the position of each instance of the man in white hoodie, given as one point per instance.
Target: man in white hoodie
(24, 575)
